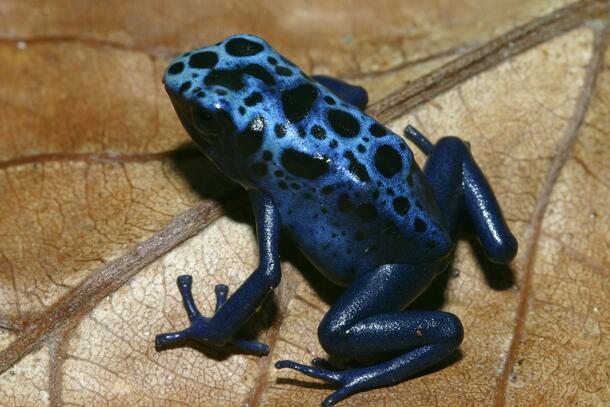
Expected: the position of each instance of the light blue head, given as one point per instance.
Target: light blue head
(226, 94)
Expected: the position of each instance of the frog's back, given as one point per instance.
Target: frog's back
(348, 189)
(347, 226)
(352, 204)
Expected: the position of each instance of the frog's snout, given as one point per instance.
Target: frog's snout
(174, 76)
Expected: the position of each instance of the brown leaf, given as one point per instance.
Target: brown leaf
(104, 201)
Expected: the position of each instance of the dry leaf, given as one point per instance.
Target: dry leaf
(104, 201)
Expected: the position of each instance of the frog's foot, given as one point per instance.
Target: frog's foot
(199, 330)
(348, 383)
(393, 371)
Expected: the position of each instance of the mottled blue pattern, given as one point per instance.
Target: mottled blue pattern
(348, 219)
(348, 192)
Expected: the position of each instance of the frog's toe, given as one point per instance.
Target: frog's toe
(417, 138)
(254, 347)
(323, 363)
(341, 394)
(311, 371)
(169, 339)
(349, 382)
(222, 292)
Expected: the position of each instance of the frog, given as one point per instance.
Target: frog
(347, 191)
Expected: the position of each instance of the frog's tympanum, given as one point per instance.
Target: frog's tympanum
(350, 195)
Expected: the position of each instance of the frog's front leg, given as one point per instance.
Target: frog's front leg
(368, 321)
(232, 313)
(352, 94)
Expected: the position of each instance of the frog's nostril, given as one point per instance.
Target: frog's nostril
(174, 87)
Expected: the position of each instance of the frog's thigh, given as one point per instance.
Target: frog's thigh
(458, 182)
(367, 320)
(352, 94)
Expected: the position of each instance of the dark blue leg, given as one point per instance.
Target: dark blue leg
(458, 184)
(232, 313)
(352, 94)
(367, 321)
(481, 205)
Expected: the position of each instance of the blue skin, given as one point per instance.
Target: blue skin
(348, 192)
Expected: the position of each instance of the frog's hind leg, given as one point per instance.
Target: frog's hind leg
(367, 322)
(352, 94)
(458, 185)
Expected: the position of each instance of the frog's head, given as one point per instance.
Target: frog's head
(226, 95)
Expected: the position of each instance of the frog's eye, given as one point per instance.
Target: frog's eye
(206, 123)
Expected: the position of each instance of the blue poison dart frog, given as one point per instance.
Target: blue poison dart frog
(348, 192)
